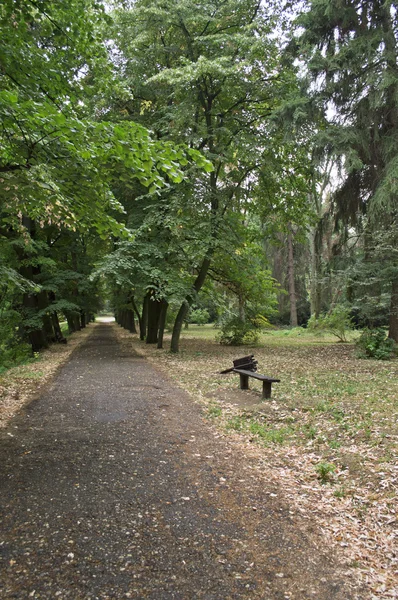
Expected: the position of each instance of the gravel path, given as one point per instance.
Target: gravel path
(113, 486)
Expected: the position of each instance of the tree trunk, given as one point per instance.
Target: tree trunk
(130, 323)
(185, 306)
(133, 328)
(393, 325)
(136, 311)
(242, 312)
(144, 317)
(162, 322)
(178, 323)
(73, 322)
(42, 304)
(36, 337)
(292, 286)
(316, 249)
(154, 310)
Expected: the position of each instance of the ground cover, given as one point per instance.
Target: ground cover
(20, 384)
(329, 433)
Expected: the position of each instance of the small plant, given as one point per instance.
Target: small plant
(337, 322)
(339, 493)
(325, 471)
(310, 432)
(373, 343)
(268, 435)
(334, 444)
(214, 411)
(236, 423)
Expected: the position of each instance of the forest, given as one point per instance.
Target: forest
(231, 162)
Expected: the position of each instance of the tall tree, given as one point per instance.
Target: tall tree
(350, 51)
(57, 160)
(206, 74)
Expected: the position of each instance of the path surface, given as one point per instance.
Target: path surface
(113, 486)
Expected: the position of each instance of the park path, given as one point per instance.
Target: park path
(113, 486)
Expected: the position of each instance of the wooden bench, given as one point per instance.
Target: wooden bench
(267, 381)
(247, 363)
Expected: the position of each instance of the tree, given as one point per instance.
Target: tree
(206, 74)
(58, 161)
(350, 51)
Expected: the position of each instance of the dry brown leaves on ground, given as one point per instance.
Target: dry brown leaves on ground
(328, 437)
(20, 385)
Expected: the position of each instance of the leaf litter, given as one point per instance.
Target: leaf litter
(19, 385)
(331, 409)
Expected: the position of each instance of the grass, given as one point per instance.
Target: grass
(297, 336)
(328, 402)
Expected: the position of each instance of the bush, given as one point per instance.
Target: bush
(236, 332)
(14, 355)
(13, 350)
(200, 316)
(337, 321)
(373, 343)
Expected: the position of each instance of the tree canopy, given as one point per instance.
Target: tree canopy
(150, 151)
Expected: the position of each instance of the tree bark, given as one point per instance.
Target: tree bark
(130, 323)
(144, 317)
(393, 325)
(154, 310)
(184, 308)
(137, 312)
(37, 337)
(292, 286)
(42, 304)
(162, 322)
(316, 249)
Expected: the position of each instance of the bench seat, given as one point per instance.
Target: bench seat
(267, 381)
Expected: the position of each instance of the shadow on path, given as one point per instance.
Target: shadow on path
(113, 486)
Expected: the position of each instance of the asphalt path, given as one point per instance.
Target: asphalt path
(113, 485)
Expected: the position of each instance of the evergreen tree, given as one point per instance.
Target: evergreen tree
(350, 51)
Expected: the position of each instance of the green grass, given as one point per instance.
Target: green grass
(329, 402)
(260, 430)
(297, 336)
(29, 375)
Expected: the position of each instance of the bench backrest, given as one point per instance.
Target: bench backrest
(246, 362)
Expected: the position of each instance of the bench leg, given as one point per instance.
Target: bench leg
(244, 381)
(267, 389)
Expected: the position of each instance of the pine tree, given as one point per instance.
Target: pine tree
(350, 51)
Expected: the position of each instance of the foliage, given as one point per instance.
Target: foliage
(325, 471)
(236, 332)
(200, 316)
(337, 321)
(373, 343)
(349, 55)
(213, 87)
(12, 351)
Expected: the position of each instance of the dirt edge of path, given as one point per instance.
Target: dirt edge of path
(20, 385)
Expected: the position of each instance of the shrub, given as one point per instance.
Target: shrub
(13, 350)
(373, 343)
(236, 332)
(200, 316)
(337, 321)
(14, 355)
